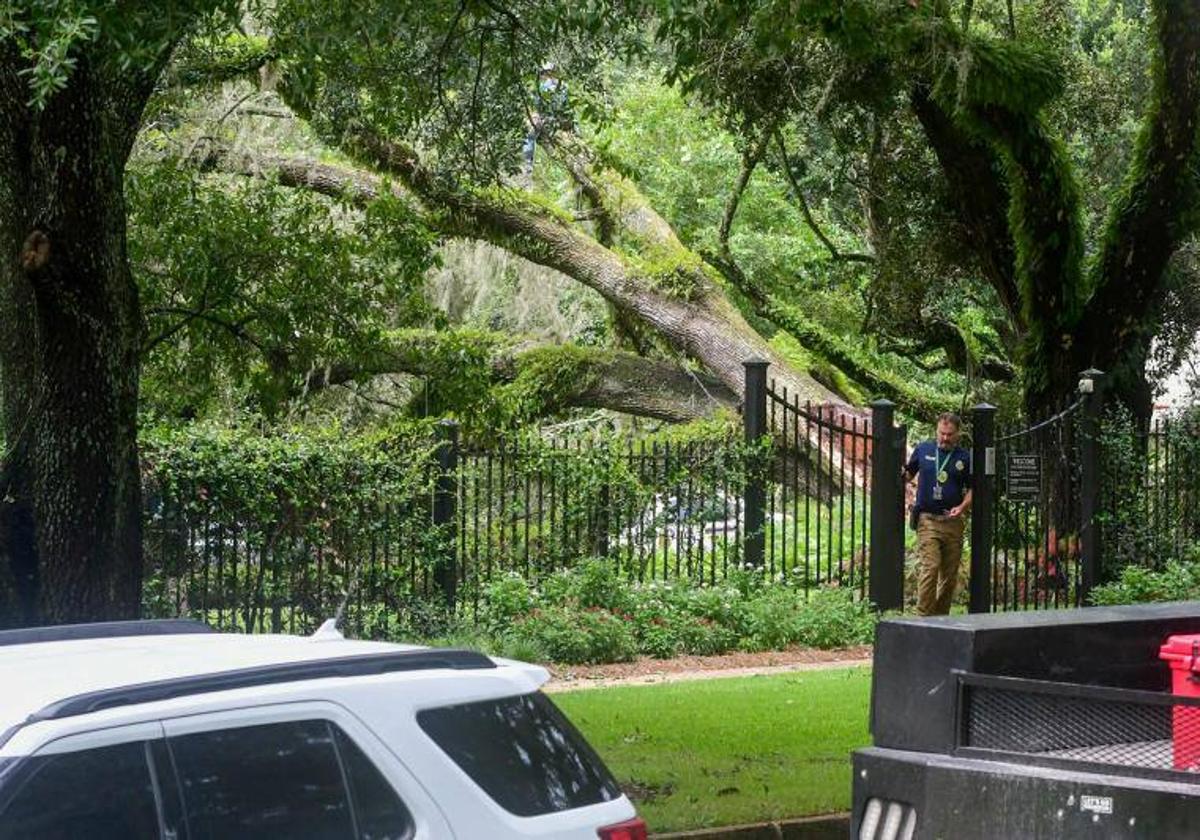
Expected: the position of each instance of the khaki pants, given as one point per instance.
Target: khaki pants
(939, 547)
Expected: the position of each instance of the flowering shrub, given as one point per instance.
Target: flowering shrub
(574, 637)
(591, 614)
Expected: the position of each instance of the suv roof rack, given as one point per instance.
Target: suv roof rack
(102, 630)
(313, 669)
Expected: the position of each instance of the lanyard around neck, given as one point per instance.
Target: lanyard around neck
(941, 465)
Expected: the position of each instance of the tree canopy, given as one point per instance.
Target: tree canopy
(239, 211)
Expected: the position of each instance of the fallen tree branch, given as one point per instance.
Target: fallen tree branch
(555, 376)
(674, 296)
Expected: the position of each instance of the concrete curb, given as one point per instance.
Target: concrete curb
(824, 827)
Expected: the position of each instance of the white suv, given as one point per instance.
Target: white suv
(166, 730)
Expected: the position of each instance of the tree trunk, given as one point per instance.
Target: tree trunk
(980, 195)
(1150, 217)
(70, 522)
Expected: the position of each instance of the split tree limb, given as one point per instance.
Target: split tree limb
(701, 323)
(599, 378)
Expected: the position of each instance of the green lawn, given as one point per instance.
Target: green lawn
(727, 751)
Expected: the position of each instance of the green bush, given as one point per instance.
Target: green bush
(652, 621)
(554, 633)
(576, 638)
(522, 649)
(771, 620)
(304, 503)
(610, 636)
(659, 639)
(596, 584)
(590, 614)
(704, 637)
(506, 599)
(663, 632)
(724, 605)
(1177, 581)
(833, 619)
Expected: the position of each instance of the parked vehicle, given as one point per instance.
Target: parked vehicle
(1042, 724)
(167, 730)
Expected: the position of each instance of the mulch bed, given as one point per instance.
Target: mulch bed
(648, 667)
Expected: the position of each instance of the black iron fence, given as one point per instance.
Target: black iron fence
(792, 497)
(659, 510)
(209, 557)
(1063, 503)
(805, 493)
(1149, 510)
(817, 518)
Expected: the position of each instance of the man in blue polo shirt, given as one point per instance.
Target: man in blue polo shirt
(943, 471)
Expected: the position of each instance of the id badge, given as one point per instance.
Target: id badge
(937, 492)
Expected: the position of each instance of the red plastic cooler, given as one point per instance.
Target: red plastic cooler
(1182, 653)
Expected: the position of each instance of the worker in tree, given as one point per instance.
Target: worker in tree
(943, 471)
(550, 113)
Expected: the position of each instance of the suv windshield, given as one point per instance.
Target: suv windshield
(523, 752)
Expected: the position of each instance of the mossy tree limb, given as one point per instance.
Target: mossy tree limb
(211, 61)
(910, 399)
(525, 379)
(704, 326)
(981, 197)
(1047, 230)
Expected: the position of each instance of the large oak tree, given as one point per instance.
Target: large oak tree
(74, 80)
(983, 84)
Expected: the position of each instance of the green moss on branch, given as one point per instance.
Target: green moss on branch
(213, 61)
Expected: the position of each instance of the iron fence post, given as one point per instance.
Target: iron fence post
(445, 507)
(1091, 386)
(754, 425)
(899, 520)
(603, 501)
(983, 477)
(886, 562)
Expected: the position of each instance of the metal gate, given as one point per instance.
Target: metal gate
(817, 522)
(1036, 514)
(1034, 531)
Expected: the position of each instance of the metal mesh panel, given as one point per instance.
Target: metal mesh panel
(1082, 728)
